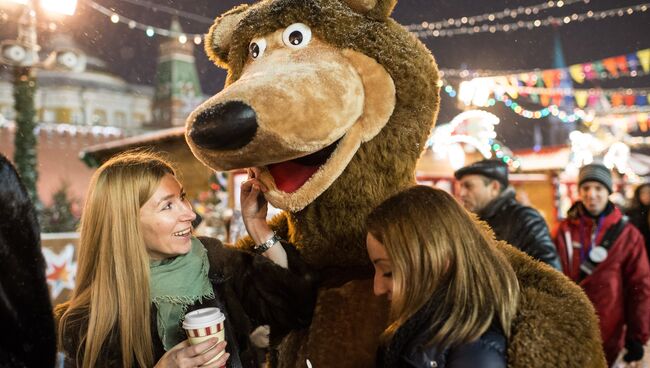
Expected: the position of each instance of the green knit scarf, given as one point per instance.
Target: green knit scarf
(175, 285)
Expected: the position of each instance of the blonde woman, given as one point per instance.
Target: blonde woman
(140, 270)
(453, 295)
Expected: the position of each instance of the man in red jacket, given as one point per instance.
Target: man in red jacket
(606, 255)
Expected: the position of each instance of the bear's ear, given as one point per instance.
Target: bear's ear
(375, 9)
(218, 39)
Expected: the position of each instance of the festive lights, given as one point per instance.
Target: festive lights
(149, 30)
(553, 110)
(491, 17)
(532, 24)
(445, 28)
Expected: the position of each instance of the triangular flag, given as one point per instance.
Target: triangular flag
(589, 71)
(581, 98)
(617, 99)
(531, 80)
(644, 58)
(576, 73)
(557, 99)
(621, 63)
(629, 99)
(544, 99)
(642, 119)
(523, 77)
(549, 78)
(632, 61)
(534, 98)
(641, 100)
(599, 68)
(611, 66)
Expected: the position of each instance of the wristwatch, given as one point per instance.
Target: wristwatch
(261, 248)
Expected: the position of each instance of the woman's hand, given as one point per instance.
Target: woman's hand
(185, 355)
(254, 207)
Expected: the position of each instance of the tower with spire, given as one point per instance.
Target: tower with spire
(177, 86)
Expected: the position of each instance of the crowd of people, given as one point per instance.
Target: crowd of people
(453, 294)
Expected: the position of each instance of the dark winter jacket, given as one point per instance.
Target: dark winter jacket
(619, 286)
(520, 226)
(409, 347)
(250, 289)
(639, 218)
(27, 338)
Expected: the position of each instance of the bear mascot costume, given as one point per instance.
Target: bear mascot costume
(333, 101)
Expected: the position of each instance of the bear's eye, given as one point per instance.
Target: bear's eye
(296, 35)
(256, 48)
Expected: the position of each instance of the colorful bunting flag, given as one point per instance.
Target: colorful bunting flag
(644, 59)
(576, 73)
(632, 61)
(581, 98)
(611, 66)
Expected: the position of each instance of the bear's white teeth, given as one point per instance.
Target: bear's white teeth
(183, 233)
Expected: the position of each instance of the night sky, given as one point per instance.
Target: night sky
(132, 55)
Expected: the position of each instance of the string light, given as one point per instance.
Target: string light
(574, 91)
(463, 25)
(465, 74)
(149, 30)
(545, 22)
(490, 17)
(150, 5)
(553, 110)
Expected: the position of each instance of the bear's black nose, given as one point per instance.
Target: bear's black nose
(226, 126)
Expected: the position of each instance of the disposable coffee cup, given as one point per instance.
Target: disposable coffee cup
(203, 324)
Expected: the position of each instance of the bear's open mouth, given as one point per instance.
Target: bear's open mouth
(290, 175)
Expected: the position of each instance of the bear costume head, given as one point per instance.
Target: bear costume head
(333, 101)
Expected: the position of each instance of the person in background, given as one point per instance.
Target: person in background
(485, 191)
(639, 212)
(27, 338)
(606, 255)
(140, 270)
(453, 295)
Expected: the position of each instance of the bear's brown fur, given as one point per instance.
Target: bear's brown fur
(336, 125)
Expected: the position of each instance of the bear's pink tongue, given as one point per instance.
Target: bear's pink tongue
(289, 176)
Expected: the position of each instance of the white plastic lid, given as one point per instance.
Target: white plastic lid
(203, 317)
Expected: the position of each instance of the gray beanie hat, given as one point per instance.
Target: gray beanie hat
(596, 172)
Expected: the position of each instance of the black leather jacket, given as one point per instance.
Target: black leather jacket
(521, 226)
(489, 351)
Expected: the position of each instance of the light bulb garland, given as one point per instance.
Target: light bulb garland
(532, 24)
(633, 64)
(422, 30)
(499, 152)
(172, 11)
(491, 17)
(148, 29)
(553, 110)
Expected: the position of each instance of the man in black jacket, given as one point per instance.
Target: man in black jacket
(484, 190)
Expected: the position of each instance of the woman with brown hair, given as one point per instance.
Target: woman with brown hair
(140, 270)
(453, 295)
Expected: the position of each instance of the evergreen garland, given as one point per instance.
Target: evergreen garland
(58, 218)
(25, 138)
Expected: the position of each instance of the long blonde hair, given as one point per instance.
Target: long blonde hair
(112, 282)
(438, 249)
